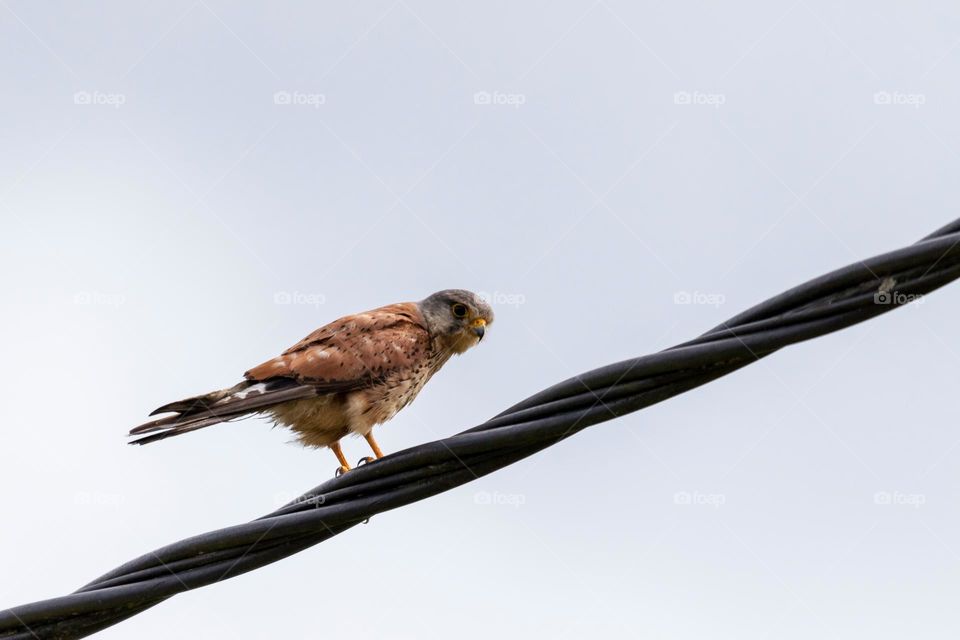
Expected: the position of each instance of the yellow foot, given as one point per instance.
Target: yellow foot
(373, 444)
(344, 465)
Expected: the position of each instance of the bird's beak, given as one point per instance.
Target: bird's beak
(478, 326)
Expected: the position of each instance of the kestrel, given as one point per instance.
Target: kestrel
(345, 377)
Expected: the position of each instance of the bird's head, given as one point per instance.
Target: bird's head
(458, 318)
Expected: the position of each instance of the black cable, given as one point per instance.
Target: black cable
(823, 305)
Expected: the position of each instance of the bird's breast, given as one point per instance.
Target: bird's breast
(380, 402)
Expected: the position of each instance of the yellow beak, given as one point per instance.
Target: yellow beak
(478, 325)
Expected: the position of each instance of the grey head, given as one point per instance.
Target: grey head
(456, 317)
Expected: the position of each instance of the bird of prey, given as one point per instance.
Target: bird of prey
(345, 377)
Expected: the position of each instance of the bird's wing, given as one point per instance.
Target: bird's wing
(350, 353)
(353, 352)
(219, 406)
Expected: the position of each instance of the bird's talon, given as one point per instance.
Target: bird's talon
(364, 460)
(340, 471)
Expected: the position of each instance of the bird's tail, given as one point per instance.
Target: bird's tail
(201, 411)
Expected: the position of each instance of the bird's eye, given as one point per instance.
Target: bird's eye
(459, 310)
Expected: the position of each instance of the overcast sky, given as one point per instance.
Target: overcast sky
(187, 188)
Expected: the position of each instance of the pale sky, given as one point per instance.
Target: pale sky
(187, 188)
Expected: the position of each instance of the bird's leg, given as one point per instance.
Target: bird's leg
(337, 451)
(373, 444)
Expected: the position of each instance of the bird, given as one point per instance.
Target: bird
(344, 378)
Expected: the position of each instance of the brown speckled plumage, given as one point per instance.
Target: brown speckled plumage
(346, 377)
